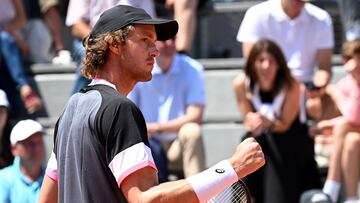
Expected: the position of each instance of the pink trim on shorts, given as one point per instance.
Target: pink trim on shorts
(52, 174)
(135, 168)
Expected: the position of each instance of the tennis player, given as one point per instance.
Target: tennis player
(101, 151)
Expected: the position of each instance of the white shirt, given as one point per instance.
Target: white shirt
(299, 38)
(3, 99)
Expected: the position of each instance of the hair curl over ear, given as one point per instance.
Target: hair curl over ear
(97, 48)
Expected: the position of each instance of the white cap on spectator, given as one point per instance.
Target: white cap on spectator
(3, 99)
(24, 129)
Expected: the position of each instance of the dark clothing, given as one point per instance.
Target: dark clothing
(95, 131)
(32, 9)
(160, 159)
(290, 167)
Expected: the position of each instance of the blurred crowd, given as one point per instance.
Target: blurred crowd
(284, 94)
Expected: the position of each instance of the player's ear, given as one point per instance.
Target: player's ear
(114, 43)
(115, 47)
(14, 150)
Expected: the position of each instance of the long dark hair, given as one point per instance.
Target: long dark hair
(283, 76)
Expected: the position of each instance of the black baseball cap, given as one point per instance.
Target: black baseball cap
(121, 16)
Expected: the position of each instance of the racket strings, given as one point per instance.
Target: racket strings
(235, 193)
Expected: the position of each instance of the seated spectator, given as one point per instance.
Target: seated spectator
(304, 32)
(21, 181)
(268, 98)
(45, 25)
(11, 42)
(345, 156)
(172, 104)
(4, 104)
(185, 13)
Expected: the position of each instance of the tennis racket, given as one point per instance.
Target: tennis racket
(236, 193)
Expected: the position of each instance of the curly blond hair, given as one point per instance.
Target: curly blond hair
(97, 48)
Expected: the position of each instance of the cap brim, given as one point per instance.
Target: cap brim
(165, 29)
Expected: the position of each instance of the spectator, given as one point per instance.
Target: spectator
(345, 156)
(45, 25)
(4, 105)
(350, 17)
(21, 181)
(12, 20)
(185, 12)
(172, 104)
(82, 15)
(268, 98)
(304, 32)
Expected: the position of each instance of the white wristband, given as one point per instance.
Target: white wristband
(212, 181)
